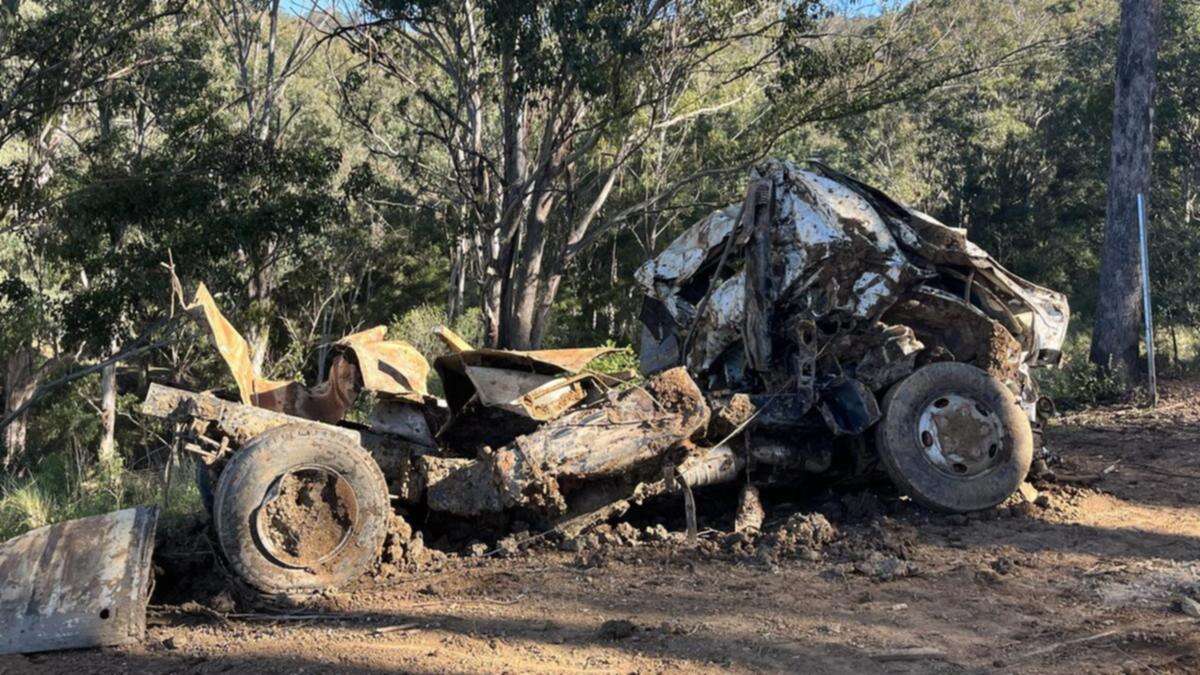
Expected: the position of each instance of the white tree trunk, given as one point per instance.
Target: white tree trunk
(107, 452)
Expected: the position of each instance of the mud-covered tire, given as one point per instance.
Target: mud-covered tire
(255, 472)
(1000, 450)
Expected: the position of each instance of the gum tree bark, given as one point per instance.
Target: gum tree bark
(1115, 335)
(20, 381)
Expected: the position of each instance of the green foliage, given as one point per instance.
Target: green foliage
(416, 326)
(59, 489)
(1080, 383)
(623, 360)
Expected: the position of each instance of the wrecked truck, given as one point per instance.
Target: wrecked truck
(818, 327)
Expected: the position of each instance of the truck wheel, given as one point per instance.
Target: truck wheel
(953, 438)
(300, 508)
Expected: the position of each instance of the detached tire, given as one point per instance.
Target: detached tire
(299, 509)
(953, 438)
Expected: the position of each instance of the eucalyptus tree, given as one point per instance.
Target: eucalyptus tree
(525, 120)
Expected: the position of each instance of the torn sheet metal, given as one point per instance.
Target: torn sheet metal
(82, 583)
(533, 395)
(391, 367)
(363, 360)
(536, 385)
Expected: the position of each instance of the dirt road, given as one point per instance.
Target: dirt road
(1088, 579)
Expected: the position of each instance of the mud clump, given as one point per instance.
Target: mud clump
(675, 390)
(616, 629)
(802, 535)
(311, 517)
(882, 567)
(404, 551)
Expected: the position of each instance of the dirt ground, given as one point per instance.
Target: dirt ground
(1087, 579)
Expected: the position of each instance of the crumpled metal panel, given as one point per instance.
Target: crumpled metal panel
(234, 349)
(460, 386)
(82, 583)
(840, 253)
(1047, 312)
(389, 367)
(830, 254)
(533, 395)
(540, 361)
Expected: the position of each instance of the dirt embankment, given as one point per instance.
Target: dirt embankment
(1092, 574)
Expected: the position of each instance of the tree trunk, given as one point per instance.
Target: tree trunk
(20, 381)
(1115, 336)
(107, 452)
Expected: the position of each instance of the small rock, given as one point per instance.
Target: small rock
(885, 568)
(478, 549)
(627, 532)
(1028, 492)
(508, 546)
(610, 538)
(1042, 502)
(656, 533)
(222, 602)
(1003, 565)
(415, 551)
(988, 576)
(1189, 606)
(616, 629)
(750, 512)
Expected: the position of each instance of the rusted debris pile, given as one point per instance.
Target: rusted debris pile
(817, 328)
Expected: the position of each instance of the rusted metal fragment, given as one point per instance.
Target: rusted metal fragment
(453, 341)
(533, 395)
(388, 366)
(364, 360)
(82, 583)
(495, 395)
(233, 348)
